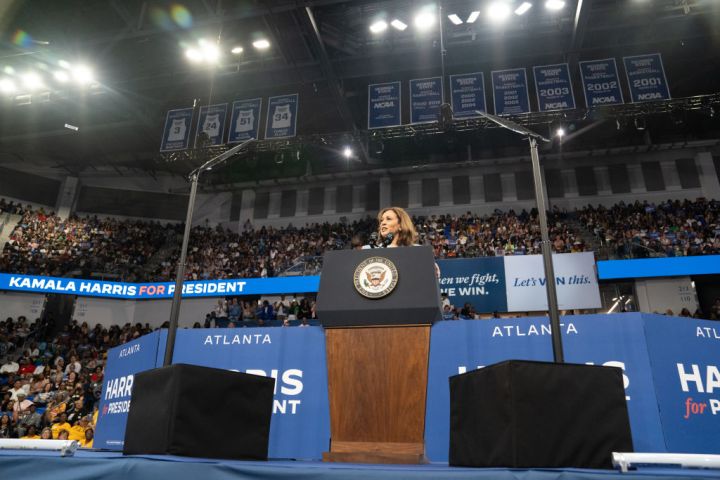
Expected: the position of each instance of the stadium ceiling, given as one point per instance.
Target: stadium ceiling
(325, 51)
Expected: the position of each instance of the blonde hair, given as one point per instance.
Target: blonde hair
(407, 235)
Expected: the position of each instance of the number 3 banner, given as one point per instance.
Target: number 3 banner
(553, 87)
(646, 78)
(282, 116)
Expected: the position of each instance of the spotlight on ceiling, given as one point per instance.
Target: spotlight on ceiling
(83, 75)
(379, 26)
(347, 152)
(7, 85)
(236, 50)
(398, 25)
(61, 76)
(560, 132)
(555, 4)
(473, 17)
(194, 55)
(424, 20)
(64, 64)
(498, 11)
(523, 8)
(261, 44)
(455, 19)
(32, 81)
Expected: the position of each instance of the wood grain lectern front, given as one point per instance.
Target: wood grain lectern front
(377, 307)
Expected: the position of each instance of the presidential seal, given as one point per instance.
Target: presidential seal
(375, 277)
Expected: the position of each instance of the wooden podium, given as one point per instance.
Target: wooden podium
(377, 356)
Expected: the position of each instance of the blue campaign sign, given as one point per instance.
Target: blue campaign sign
(554, 88)
(685, 360)
(123, 363)
(510, 91)
(646, 78)
(245, 120)
(478, 281)
(282, 116)
(426, 96)
(658, 267)
(468, 94)
(211, 121)
(295, 357)
(384, 105)
(176, 133)
(617, 340)
(601, 82)
(203, 288)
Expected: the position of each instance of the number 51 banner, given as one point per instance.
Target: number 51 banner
(245, 120)
(282, 116)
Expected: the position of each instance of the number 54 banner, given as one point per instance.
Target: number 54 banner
(282, 116)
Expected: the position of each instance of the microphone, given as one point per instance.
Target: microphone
(388, 239)
(373, 240)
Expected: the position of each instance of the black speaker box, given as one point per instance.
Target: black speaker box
(199, 412)
(523, 414)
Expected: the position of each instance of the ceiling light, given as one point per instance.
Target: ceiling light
(261, 44)
(523, 8)
(236, 50)
(554, 4)
(61, 76)
(83, 74)
(7, 85)
(398, 25)
(424, 20)
(472, 17)
(32, 81)
(560, 132)
(347, 152)
(455, 19)
(379, 26)
(193, 55)
(498, 11)
(64, 63)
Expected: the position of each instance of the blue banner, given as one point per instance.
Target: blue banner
(601, 82)
(685, 360)
(176, 133)
(510, 91)
(384, 102)
(659, 267)
(245, 120)
(123, 363)
(646, 78)
(282, 116)
(554, 87)
(617, 340)
(426, 96)
(211, 121)
(478, 281)
(295, 357)
(203, 288)
(468, 94)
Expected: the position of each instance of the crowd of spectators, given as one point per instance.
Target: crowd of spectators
(669, 229)
(8, 206)
(236, 312)
(50, 383)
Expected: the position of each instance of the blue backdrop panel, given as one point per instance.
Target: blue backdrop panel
(646, 78)
(685, 361)
(123, 363)
(479, 281)
(295, 357)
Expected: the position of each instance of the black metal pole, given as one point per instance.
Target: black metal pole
(547, 254)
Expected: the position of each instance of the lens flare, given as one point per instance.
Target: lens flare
(160, 18)
(181, 15)
(21, 38)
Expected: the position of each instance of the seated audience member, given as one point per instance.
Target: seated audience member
(60, 424)
(6, 427)
(46, 434)
(87, 442)
(31, 433)
(63, 435)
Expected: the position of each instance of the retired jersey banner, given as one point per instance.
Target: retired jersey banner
(468, 94)
(510, 91)
(554, 87)
(176, 133)
(685, 359)
(426, 96)
(294, 357)
(516, 283)
(646, 78)
(282, 116)
(123, 363)
(384, 102)
(211, 122)
(245, 120)
(601, 82)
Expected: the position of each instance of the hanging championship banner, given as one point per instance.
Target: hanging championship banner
(282, 116)
(384, 104)
(646, 78)
(468, 94)
(510, 91)
(245, 120)
(211, 121)
(426, 95)
(601, 82)
(176, 134)
(554, 88)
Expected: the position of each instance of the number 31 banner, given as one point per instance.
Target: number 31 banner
(646, 78)
(282, 116)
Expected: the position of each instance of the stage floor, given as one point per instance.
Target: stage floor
(16, 464)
